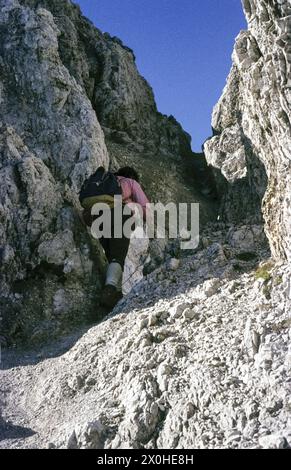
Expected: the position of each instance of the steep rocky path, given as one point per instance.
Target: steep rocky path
(196, 356)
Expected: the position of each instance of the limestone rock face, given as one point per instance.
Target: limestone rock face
(71, 99)
(135, 132)
(41, 100)
(251, 146)
(50, 140)
(106, 70)
(49, 276)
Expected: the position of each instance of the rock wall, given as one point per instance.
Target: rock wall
(50, 139)
(135, 132)
(251, 146)
(71, 99)
(106, 70)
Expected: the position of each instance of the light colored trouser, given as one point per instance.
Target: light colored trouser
(114, 275)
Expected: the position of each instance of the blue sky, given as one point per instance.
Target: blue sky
(182, 47)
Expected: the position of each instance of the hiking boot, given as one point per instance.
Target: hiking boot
(110, 296)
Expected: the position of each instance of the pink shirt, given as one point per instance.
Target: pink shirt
(132, 192)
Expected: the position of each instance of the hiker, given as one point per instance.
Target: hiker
(102, 186)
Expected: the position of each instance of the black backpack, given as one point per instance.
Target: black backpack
(100, 183)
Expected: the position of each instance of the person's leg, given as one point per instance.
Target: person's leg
(118, 249)
(105, 245)
(114, 270)
(116, 254)
(112, 291)
(114, 275)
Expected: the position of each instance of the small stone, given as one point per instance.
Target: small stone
(143, 323)
(153, 319)
(90, 435)
(177, 310)
(234, 436)
(190, 314)
(174, 264)
(273, 441)
(75, 382)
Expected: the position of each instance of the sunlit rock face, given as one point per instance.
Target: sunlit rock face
(251, 146)
(71, 99)
(50, 140)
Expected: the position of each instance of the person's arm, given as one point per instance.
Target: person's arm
(139, 197)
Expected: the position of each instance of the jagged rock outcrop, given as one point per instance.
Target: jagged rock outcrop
(106, 70)
(61, 79)
(251, 147)
(50, 138)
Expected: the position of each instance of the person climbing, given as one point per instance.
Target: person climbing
(103, 186)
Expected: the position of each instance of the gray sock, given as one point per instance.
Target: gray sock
(114, 275)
